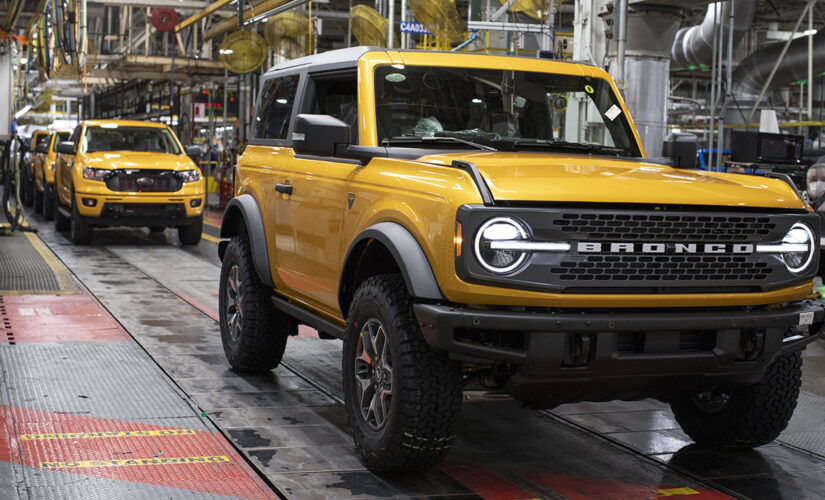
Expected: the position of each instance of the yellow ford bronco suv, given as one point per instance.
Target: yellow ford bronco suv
(127, 173)
(465, 220)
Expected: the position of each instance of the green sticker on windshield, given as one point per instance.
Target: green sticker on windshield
(395, 77)
(588, 89)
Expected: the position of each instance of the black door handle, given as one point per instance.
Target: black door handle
(284, 188)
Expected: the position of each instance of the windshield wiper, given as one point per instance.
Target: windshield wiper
(417, 140)
(590, 148)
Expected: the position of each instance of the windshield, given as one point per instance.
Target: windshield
(60, 137)
(117, 138)
(503, 109)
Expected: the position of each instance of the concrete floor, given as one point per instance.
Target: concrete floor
(291, 428)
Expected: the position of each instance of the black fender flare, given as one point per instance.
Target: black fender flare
(246, 207)
(408, 254)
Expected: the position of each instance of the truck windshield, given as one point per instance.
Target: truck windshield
(503, 109)
(117, 138)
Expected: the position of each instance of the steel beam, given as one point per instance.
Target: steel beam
(231, 23)
(205, 12)
(175, 4)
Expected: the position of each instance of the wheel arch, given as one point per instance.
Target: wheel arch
(243, 214)
(382, 248)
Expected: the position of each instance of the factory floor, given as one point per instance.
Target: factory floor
(114, 385)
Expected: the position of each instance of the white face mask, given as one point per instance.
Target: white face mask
(816, 189)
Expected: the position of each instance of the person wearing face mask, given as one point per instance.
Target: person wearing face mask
(815, 190)
(816, 185)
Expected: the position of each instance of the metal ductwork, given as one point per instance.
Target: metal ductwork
(650, 33)
(754, 70)
(694, 45)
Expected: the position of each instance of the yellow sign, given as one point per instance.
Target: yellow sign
(133, 461)
(107, 434)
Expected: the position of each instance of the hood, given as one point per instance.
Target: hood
(129, 160)
(593, 179)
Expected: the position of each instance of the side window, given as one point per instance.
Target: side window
(337, 95)
(278, 97)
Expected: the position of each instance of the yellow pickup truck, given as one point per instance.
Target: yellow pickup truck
(127, 173)
(477, 221)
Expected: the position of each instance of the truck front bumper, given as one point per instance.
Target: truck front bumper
(591, 356)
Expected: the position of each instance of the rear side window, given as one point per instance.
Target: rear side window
(60, 137)
(278, 97)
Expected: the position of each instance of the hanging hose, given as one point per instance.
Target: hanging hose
(467, 42)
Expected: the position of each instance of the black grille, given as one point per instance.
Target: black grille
(654, 227)
(145, 181)
(662, 267)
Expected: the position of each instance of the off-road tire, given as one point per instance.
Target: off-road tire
(48, 205)
(754, 415)
(80, 231)
(38, 201)
(156, 229)
(190, 234)
(426, 386)
(260, 343)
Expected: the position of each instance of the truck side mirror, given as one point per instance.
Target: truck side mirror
(66, 148)
(681, 148)
(41, 148)
(194, 152)
(318, 134)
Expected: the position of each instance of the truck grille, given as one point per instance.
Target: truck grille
(144, 181)
(650, 227)
(687, 258)
(698, 268)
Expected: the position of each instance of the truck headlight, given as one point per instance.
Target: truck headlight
(96, 174)
(799, 247)
(501, 258)
(189, 175)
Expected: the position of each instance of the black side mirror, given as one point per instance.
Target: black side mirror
(681, 148)
(194, 152)
(66, 148)
(318, 134)
(41, 148)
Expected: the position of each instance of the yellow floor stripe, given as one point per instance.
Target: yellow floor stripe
(209, 237)
(64, 279)
(133, 461)
(107, 434)
(672, 492)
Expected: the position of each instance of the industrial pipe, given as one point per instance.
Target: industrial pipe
(694, 45)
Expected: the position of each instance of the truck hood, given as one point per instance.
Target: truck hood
(129, 160)
(593, 179)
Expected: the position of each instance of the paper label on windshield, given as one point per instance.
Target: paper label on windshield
(613, 112)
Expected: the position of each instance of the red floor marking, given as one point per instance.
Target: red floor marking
(307, 332)
(212, 218)
(589, 488)
(485, 483)
(233, 477)
(59, 318)
(212, 312)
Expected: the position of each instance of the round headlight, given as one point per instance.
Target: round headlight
(498, 260)
(800, 244)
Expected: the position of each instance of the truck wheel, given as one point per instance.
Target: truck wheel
(744, 417)
(48, 205)
(402, 397)
(38, 201)
(253, 332)
(191, 233)
(80, 231)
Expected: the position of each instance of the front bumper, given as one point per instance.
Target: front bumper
(140, 210)
(587, 355)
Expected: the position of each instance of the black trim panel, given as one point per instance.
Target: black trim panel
(251, 213)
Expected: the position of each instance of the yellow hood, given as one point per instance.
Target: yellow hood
(130, 160)
(578, 178)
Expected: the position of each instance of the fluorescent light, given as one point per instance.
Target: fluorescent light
(23, 111)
